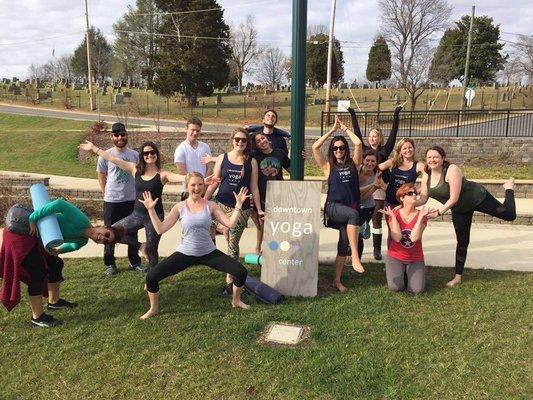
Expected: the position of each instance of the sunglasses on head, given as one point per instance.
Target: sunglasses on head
(149, 152)
(240, 140)
(119, 134)
(341, 148)
(410, 193)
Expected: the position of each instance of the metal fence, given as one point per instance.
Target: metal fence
(452, 123)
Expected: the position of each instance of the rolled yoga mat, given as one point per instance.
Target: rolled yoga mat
(254, 259)
(48, 226)
(262, 291)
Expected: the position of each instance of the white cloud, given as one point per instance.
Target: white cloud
(30, 29)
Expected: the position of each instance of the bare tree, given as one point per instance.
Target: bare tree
(524, 49)
(314, 30)
(270, 71)
(407, 26)
(244, 48)
(512, 71)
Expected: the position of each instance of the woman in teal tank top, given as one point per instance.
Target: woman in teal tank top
(445, 183)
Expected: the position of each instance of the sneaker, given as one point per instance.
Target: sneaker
(364, 230)
(111, 270)
(61, 304)
(227, 290)
(45, 321)
(138, 268)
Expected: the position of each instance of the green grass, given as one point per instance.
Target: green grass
(236, 108)
(43, 145)
(471, 342)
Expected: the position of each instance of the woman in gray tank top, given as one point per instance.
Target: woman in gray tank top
(445, 183)
(196, 247)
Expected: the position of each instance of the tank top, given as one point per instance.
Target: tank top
(343, 185)
(195, 231)
(472, 193)
(397, 178)
(406, 250)
(232, 181)
(369, 201)
(154, 186)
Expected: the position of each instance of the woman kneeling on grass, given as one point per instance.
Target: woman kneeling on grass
(405, 254)
(196, 247)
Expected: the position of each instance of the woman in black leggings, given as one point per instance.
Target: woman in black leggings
(445, 182)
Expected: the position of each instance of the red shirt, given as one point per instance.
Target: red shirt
(406, 250)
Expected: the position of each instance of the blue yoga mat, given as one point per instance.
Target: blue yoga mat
(262, 291)
(48, 226)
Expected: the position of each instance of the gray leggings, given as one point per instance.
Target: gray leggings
(132, 224)
(416, 275)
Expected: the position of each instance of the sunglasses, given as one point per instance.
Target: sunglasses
(119, 134)
(410, 193)
(240, 140)
(341, 148)
(149, 153)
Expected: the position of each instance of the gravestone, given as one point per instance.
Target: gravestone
(291, 237)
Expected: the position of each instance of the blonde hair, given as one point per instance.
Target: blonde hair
(191, 175)
(378, 130)
(398, 160)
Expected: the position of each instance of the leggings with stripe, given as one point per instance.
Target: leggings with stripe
(462, 222)
(235, 233)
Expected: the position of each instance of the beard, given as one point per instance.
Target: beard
(120, 143)
(269, 126)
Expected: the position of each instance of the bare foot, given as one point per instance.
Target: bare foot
(143, 251)
(455, 281)
(358, 267)
(348, 261)
(240, 304)
(150, 313)
(340, 287)
(509, 184)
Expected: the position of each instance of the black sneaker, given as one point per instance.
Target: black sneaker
(138, 268)
(61, 305)
(227, 290)
(111, 270)
(45, 321)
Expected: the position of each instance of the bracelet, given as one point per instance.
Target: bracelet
(97, 150)
(238, 209)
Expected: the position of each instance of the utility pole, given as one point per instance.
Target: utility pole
(299, 27)
(330, 56)
(89, 72)
(467, 62)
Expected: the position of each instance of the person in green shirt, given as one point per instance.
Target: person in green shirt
(39, 266)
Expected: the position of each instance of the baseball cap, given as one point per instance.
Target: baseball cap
(118, 127)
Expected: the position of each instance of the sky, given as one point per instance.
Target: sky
(32, 30)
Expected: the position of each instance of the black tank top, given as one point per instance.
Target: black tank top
(154, 186)
(343, 185)
(397, 178)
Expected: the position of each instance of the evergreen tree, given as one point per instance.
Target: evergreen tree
(317, 60)
(101, 54)
(186, 62)
(486, 58)
(379, 61)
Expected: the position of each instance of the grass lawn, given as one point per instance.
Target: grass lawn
(470, 342)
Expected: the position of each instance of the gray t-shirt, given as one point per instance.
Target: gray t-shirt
(120, 185)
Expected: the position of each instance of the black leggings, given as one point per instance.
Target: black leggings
(377, 217)
(177, 262)
(34, 264)
(365, 215)
(114, 212)
(132, 224)
(342, 215)
(462, 222)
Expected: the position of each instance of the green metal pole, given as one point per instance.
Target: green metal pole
(299, 35)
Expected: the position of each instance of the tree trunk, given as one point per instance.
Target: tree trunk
(192, 101)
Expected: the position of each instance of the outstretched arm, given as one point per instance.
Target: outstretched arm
(123, 165)
(391, 140)
(160, 226)
(358, 144)
(221, 216)
(216, 175)
(317, 154)
(355, 124)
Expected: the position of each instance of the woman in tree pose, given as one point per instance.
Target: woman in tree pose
(196, 247)
(405, 255)
(445, 182)
(344, 198)
(383, 149)
(148, 177)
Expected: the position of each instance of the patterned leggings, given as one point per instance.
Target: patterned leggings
(235, 233)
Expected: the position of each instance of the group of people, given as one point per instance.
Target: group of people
(222, 193)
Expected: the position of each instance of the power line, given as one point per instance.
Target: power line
(40, 39)
(204, 10)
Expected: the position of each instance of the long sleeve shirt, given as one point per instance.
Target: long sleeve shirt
(72, 222)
